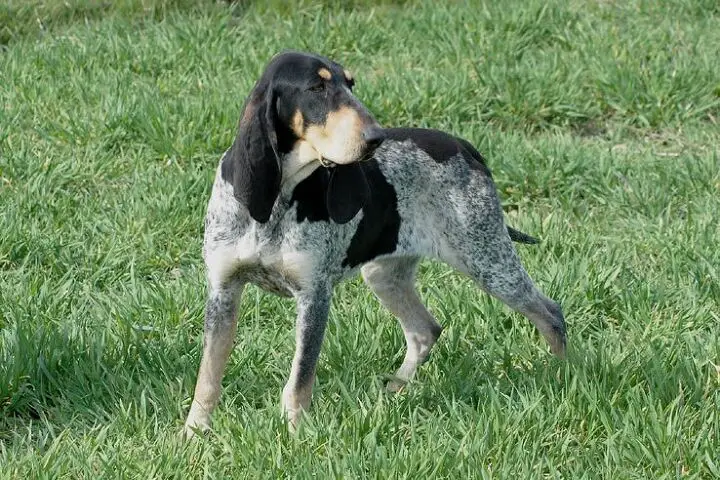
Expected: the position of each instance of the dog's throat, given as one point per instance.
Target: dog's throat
(297, 175)
(300, 163)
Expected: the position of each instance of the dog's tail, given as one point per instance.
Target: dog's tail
(520, 237)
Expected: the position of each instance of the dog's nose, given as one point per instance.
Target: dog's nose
(373, 136)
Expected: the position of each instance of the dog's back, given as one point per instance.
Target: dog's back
(441, 191)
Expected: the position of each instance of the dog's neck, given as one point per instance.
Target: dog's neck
(298, 164)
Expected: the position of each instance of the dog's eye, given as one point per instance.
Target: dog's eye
(318, 87)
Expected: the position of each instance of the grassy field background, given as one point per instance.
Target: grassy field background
(599, 120)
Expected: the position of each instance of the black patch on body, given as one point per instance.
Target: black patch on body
(377, 232)
(310, 197)
(441, 146)
(348, 191)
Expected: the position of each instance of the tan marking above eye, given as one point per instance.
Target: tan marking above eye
(298, 124)
(325, 73)
(348, 75)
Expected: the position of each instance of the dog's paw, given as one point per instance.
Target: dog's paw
(190, 430)
(293, 421)
(395, 384)
(293, 405)
(198, 421)
(292, 417)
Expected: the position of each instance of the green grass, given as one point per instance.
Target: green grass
(599, 120)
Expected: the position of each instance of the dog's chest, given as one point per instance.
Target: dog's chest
(273, 262)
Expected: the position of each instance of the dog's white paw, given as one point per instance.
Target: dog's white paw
(198, 421)
(191, 429)
(395, 384)
(293, 407)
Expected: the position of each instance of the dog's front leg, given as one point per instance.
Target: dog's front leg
(312, 313)
(220, 328)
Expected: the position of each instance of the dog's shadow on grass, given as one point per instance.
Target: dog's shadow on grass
(56, 383)
(587, 376)
(479, 380)
(477, 385)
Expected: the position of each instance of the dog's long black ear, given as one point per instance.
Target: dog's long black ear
(252, 165)
(348, 191)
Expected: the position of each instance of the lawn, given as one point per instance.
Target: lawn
(599, 120)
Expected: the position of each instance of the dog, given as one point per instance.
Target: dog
(312, 190)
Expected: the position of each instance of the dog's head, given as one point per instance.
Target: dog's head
(302, 111)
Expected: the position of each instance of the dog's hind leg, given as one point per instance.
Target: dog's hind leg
(220, 328)
(498, 271)
(392, 280)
